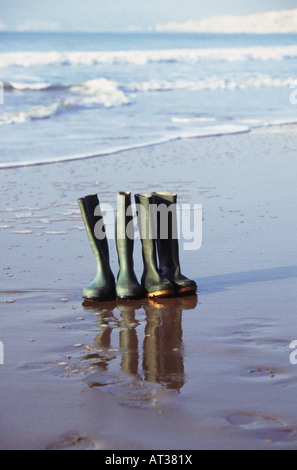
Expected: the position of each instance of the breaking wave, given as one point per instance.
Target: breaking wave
(100, 92)
(139, 57)
(110, 93)
(39, 112)
(106, 93)
(22, 86)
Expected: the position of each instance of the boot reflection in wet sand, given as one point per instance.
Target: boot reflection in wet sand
(163, 345)
(104, 313)
(162, 355)
(128, 336)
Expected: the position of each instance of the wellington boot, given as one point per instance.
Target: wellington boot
(167, 243)
(127, 286)
(155, 284)
(103, 286)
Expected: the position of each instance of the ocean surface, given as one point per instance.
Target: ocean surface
(77, 95)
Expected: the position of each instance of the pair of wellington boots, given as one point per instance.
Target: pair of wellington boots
(161, 280)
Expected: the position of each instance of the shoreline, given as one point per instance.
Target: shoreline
(112, 151)
(75, 377)
(237, 128)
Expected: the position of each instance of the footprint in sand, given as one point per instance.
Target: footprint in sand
(76, 441)
(267, 428)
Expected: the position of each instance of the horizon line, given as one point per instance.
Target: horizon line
(127, 31)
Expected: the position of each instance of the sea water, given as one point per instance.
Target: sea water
(75, 95)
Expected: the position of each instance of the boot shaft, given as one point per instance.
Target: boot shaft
(167, 230)
(124, 231)
(152, 279)
(103, 285)
(127, 284)
(168, 246)
(147, 230)
(94, 224)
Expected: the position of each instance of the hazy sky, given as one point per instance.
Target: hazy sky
(117, 15)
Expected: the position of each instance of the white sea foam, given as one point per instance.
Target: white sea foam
(98, 91)
(186, 120)
(210, 83)
(106, 93)
(35, 86)
(110, 93)
(39, 112)
(138, 57)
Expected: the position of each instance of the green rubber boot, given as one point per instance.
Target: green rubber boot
(155, 284)
(168, 250)
(103, 286)
(127, 286)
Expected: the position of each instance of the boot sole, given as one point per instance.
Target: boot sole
(186, 289)
(99, 299)
(160, 293)
(130, 297)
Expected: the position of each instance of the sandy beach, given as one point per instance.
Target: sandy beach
(205, 372)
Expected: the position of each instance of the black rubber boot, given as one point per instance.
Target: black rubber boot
(154, 282)
(103, 286)
(167, 243)
(127, 286)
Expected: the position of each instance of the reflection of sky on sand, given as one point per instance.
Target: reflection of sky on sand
(148, 335)
(223, 282)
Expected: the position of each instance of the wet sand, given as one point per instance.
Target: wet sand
(210, 371)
